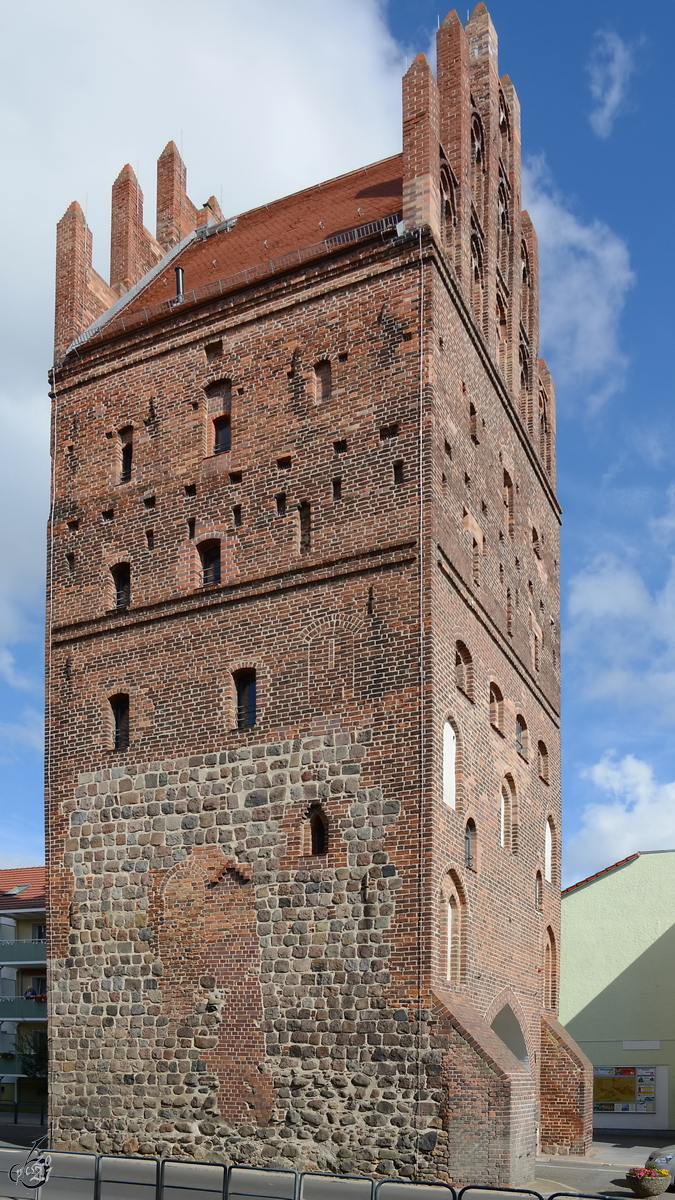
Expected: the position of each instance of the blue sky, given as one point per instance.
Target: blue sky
(278, 97)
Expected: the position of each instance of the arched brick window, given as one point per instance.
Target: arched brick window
(448, 213)
(246, 691)
(470, 845)
(524, 369)
(536, 543)
(318, 828)
(550, 996)
(464, 670)
(450, 765)
(477, 277)
(538, 892)
(496, 708)
(522, 737)
(454, 927)
(478, 166)
(544, 433)
(551, 863)
(542, 761)
(502, 334)
(508, 816)
(219, 405)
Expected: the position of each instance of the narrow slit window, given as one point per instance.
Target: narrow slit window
(122, 582)
(126, 438)
(521, 736)
(191, 527)
(470, 844)
(542, 761)
(221, 434)
(340, 447)
(538, 892)
(209, 552)
(464, 670)
(245, 686)
(508, 504)
(281, 504)
(70, 560)
(475, 562)
(398, 472)
(236, 514)
(496, 707)
(449, 765)
(318, 826)
(337, 489)
(473, 424)
(150, 538)
(119, 706)
(305, 512)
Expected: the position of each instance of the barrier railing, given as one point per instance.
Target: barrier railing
(83, 1176)
(25, 1108)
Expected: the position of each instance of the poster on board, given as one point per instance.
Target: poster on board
(624, 1089)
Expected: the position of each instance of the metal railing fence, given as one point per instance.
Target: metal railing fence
(84, 1176)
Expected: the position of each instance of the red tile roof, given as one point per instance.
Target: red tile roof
(32, 897)
(284, 225)
(620, 863)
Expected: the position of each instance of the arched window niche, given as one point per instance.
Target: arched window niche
(507, 1027)
(454, 931)
(450, 763)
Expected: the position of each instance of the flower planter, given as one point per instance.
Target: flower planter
(649, 1185)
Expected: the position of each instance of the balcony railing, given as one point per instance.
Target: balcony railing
(19, 1008)
(22, 952)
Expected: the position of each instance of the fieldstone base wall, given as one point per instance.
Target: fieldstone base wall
(489, 1105)
(226, 995)
(566, 1089)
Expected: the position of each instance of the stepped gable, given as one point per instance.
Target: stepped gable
(282, 226)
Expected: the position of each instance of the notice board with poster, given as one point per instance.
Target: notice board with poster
(624, 1089)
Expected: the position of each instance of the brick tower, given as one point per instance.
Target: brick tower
(304, 764)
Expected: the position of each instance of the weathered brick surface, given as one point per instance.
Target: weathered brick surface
(566, 1092)
(219, 991)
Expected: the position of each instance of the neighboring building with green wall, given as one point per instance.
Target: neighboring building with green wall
(617, 987)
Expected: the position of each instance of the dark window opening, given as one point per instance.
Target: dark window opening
(245, 684)
(236, 514)
(470, 844)
(73, 526)
(284, 464)
(542, 756)
(319, 831)
(120, 713)
(70, 559)
(190, 489)
(340, 447)
(398, 472)
(122, 579)
(521, 736)
(126, 438)
(221, 435)
(536, 544)
(191, 527)
(150, 538)
(389, 431)
(108, 514)
(305, 527)
(343, 356)
(538, 892)
(209, 553)
(213, 350)
(448, 449)
(149, 501)
(464, 670)
(337, 489)
(236, 476)
(281, 504)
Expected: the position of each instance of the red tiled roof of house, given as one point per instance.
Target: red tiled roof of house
(620, 863)
(284, 225)
(32, 897)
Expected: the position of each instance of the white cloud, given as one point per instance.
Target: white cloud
(584, 277)
(638, 814)
(610, 67)
(620, 640)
